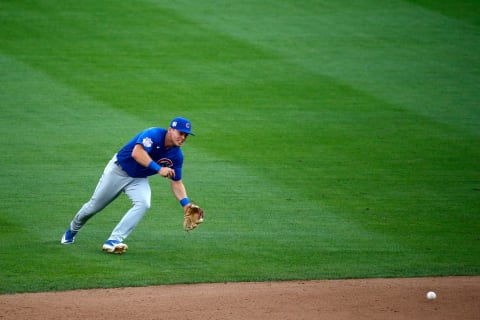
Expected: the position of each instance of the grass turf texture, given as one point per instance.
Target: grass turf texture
(334, 140)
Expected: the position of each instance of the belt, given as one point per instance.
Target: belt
(120, 167)
(118, 164)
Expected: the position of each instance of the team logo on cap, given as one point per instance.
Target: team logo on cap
(174, 124)
(187, 125)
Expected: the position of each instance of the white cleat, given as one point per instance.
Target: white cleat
(114, 246)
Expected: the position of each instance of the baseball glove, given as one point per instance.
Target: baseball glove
(193, 217)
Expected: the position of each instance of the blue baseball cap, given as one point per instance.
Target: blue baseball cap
(182, 124)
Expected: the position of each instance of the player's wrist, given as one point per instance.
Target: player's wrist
(154, 166)
(185, 201)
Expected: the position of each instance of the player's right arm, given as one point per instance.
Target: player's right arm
(142, 157)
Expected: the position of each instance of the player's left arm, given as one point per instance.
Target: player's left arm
(179, 191)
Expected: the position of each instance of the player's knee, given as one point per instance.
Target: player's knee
(143, 204)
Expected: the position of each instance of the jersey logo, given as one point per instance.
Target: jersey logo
(165, 162)
(147, 142)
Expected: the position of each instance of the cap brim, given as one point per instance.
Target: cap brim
(187, 132)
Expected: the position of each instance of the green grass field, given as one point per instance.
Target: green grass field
(335, 139)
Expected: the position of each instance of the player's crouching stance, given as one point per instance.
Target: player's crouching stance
(152, 151)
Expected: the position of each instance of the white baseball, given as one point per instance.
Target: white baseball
(431, 295)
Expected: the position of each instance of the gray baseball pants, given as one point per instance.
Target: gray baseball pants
(114, 181)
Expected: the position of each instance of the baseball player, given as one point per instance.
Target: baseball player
(152, 151)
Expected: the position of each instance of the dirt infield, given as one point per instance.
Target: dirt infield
(457, 298)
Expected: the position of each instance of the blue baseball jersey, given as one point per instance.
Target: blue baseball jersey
(153, 141)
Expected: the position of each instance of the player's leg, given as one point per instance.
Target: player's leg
(140, 194)
(110, 185)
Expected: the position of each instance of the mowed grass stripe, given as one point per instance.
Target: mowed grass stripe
(397, 51)
(151, 55)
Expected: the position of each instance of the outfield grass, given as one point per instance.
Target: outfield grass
(334, 140)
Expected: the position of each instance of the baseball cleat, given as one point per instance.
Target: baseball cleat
(114, 246)
(68, 237)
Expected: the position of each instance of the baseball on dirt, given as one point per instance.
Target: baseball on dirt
(431, 295)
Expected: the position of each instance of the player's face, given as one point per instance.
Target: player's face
(178, 137)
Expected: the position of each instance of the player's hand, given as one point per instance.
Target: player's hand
(167, 172)
(186, 208)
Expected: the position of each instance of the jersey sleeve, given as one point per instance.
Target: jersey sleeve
(178, 174)
(145, 138)
(177, 166)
